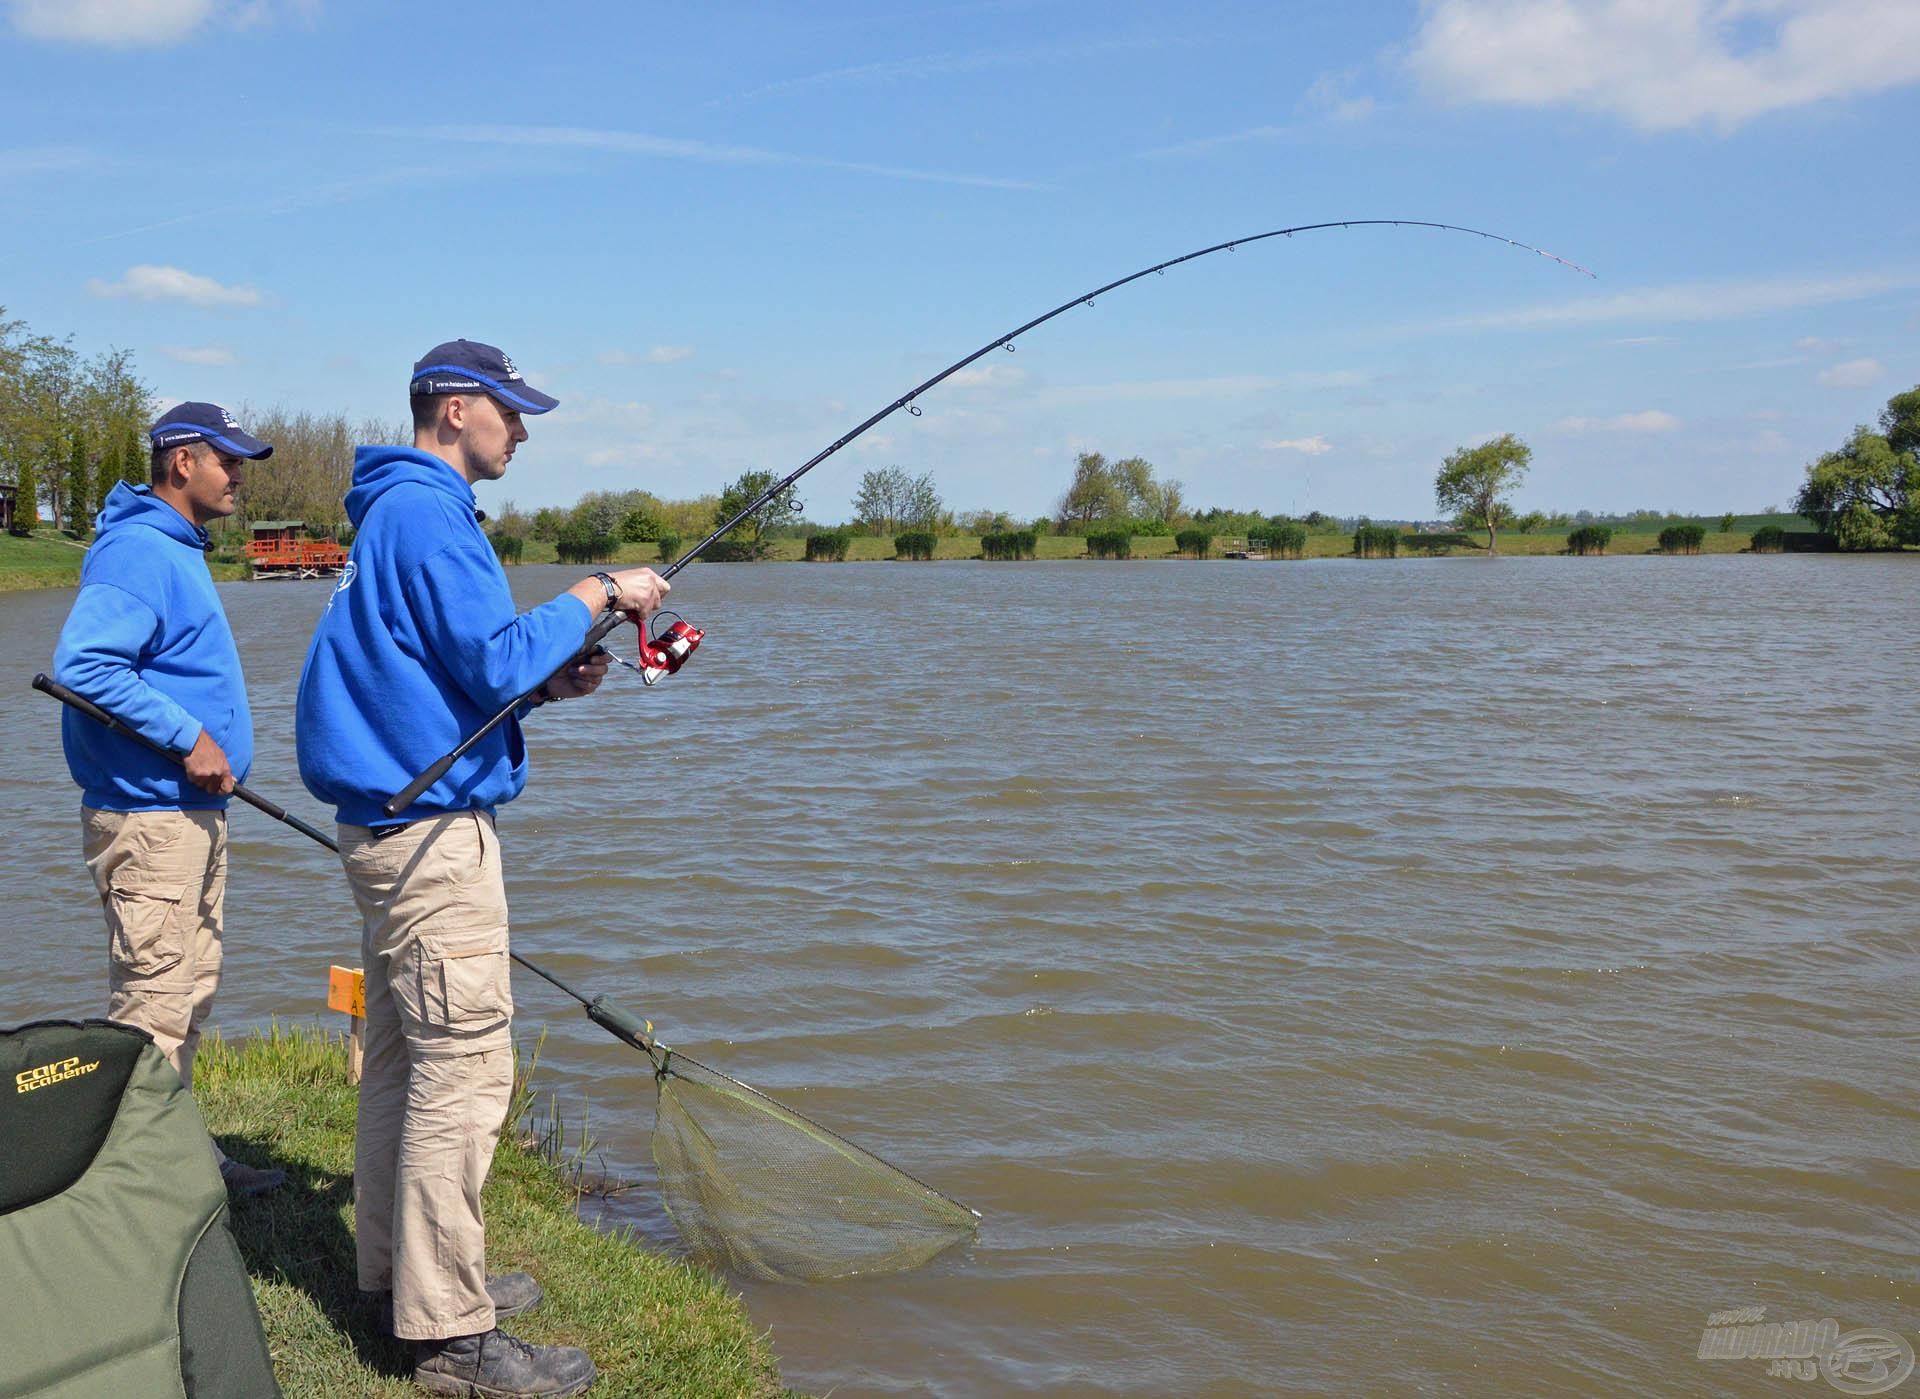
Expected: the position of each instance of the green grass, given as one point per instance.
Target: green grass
(50, 558)
(44, 559)
(652, 1325)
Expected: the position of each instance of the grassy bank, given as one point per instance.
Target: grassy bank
(653, 1326)
(50, 558)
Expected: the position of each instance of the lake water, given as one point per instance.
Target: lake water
(1451, 977)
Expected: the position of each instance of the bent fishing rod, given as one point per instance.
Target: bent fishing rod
(409, 794)
(620, 1023)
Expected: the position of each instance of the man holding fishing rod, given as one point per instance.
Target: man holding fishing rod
(148, 641)
(419, 646)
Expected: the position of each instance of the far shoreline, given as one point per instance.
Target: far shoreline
(49, 559)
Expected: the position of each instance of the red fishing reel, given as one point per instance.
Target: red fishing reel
(667, 650)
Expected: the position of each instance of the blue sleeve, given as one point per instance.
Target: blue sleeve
(464, 612)
(101, 646)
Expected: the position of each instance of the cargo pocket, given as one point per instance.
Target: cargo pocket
(465, 990)
(145, 937)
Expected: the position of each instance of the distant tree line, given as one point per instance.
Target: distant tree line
(70, 428)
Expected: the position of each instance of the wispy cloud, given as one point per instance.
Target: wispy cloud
(1688, 301)
(640, 143)
(1315, 446)
(659, 354)
(1818, 345)
(1251, 135)
(209, 355)
(148, 283)
(1666, 65)
(1331, 96)
(1853, 374)
(1649, 420)
(308, 196)
(919, 67)
(41, 160)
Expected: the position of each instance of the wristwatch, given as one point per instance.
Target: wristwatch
(613, 590)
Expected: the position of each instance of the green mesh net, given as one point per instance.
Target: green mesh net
(760, 1189)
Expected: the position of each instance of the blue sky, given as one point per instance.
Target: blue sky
(722, 235)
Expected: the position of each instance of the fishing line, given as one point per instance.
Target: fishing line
(409, 794)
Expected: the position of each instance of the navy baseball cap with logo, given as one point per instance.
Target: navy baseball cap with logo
(467, 366)
(206, 422)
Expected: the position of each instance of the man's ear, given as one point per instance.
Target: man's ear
(454, 414)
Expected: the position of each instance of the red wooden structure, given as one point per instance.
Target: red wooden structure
(276, 551)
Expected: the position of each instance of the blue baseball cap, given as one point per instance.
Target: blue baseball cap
(206, 422)
(467, 366)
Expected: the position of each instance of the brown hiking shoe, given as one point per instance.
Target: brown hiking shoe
(494, 1365)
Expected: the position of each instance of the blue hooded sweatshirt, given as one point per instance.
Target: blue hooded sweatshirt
(148, 642)
(419, 646)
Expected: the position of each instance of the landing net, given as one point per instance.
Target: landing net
(764, 1191)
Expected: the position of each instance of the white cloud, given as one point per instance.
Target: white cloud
(990, 376)
(147, 283)
(1690, 301)
(131, 24)
(1650, 420)
(1853, 374)
(1818, 345)
(1666, 64)
(210, 355)
(1315, 446)
(117, 23)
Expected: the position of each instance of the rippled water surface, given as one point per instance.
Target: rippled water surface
(1450, 977)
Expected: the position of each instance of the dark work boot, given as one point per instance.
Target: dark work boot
(494, 1365)
(512, 1294)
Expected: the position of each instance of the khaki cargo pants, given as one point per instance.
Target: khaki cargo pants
(439, 1065)
(162, 880)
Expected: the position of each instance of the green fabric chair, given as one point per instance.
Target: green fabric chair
(119, 1276)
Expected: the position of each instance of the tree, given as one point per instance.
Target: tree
(26, 505)
(1093, 494)
(879, 500)
(79, 482)
(1866, 495)
(747, 540)
(889, 500)
(920, 506)
(1473, 482)
(110, 471)
(1134, 478)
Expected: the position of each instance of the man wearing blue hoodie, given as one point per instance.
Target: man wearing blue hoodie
(419, 646)
(147, 641)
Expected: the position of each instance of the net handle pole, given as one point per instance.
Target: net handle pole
(47, 685)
